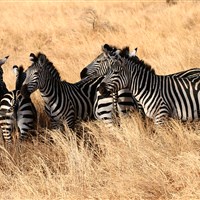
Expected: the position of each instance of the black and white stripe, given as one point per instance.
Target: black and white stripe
(100, 65)
(110, 108)
(109, 57)
(64, 102)
(115, 104)
(17, 114)
(160, 96)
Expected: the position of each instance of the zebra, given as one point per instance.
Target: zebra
(17, 111)
(64, 101)
(100, 68)
(161, 96)
(121, 102)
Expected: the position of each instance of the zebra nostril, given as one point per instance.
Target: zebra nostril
(83, 73)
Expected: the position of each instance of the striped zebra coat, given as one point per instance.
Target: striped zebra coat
(141, 84)
(113, 106)
(64, 101)
(16, 112)
(160, 96)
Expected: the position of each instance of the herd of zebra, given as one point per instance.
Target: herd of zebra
(116, 82)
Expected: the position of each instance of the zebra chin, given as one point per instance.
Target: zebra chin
(103, 91)
(24, 91)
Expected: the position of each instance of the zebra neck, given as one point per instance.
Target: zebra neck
(143, 81)
(49, 89)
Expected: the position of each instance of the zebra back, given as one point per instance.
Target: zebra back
(100, 65)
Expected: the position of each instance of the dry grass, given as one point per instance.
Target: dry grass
(136, 161)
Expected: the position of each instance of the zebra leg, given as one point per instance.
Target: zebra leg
(162, 115)
(7, 137)
(6, 129)
(60, 124)
(23, 135)
(25, 127)
(56, 124)
(115, 113)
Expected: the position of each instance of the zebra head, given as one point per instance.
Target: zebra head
(100, 65)
(30, 83)
(114, 53)
(117, 78)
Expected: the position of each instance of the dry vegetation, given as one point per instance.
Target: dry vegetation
(136, 161)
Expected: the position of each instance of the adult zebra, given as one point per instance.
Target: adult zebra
(116, 104)
(160, 96)
(64, 101)
(17, 112)
(144, 85)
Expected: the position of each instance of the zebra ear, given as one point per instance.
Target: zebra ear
(133, 53)
(117, 51)
(2, 61)
(41, 59)
(33, 58)
(124, 52)
(107, 48)
(15, 69)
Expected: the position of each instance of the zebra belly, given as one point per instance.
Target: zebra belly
(184, 115)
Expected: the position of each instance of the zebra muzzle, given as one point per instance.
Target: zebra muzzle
(83, 73)
(24, 91)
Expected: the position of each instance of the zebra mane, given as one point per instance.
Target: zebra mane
(125, 54)
(110, 47)
(48, 65)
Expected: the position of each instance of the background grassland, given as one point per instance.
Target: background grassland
(137, 161)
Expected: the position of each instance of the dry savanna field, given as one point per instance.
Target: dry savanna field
(137, 161)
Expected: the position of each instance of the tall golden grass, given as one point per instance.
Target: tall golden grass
(136, 161)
